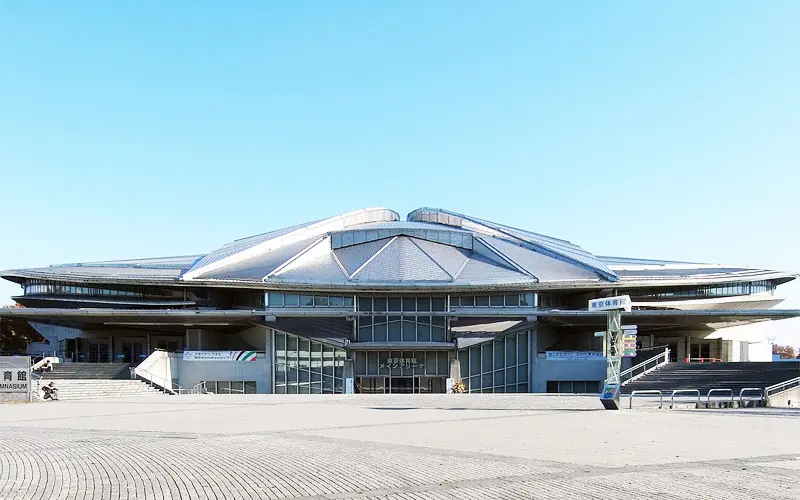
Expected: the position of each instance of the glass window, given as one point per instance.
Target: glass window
(337, 301)
(365, 304)
(275, 299)
(496, 301)
(321, 301)
(522, 348)
(482, 301)
(475, 360)
(511, 350)
(380, 333)
(291, 299)
(395, 332)
(423, 304)
(409, 330)
(487, 357)
(395, 303)
(306, 301)
(372, 363)
(423, 332)
(348, 302)
(361, 363)
(467, 301)
(409, 304)
(512, 300)
(444, 364)
(437, 303)
(499, 353)
(327, 360)
(379, 303)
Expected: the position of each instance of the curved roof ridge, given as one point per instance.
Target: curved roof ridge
(240, 250)
(552, 247)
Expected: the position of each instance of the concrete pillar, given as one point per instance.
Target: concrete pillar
(688, 343)
(455, 369)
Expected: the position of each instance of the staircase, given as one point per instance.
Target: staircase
(707, 376)
(89, 371)
(94, 380)
(72, 389)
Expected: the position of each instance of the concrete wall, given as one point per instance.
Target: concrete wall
(786, 399)
(260, 370)
(546, 370)
(543, 370)
(191, 373)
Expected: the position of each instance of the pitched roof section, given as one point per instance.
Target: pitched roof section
(553, 247)
(373, 248)
(255, 246)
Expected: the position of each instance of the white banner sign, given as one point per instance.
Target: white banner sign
(573, 355)
(219, 355)
(15, 372)
(611, 303)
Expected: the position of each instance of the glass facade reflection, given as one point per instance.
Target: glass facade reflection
(401, 319)
(499, 365)
(303, 366)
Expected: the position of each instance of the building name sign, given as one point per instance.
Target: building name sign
(219, 355)
(611, 303)
(15, 372)
(573, 355)
(401, 363)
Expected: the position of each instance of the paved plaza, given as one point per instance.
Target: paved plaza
(393, 448)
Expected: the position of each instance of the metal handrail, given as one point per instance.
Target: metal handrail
(683, 391)
(165, 387)
(783, 386)
(751, 389)
(654, 391)
(708, 396)
(643, 364)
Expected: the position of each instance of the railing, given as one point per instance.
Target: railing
(683, 391)
(157, 381)
(654, 391)
(644, 367)
(750, 398)
(783, 386)
(726, 391)
(197, 389)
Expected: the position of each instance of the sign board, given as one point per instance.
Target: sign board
(628, 343)
(219, 355)
(348, 386)
(573, 355)
(395, 363)
(15, 374)
(611, 303)
(449, 382)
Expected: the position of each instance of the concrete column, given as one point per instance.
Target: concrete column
(688, 343)
(455, 369)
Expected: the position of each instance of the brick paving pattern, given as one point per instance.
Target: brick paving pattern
(390, 448)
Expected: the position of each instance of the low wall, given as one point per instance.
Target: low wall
(194, 372)
(785, 399)
(545, 370)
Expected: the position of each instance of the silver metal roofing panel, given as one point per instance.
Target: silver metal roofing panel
(322, 269)
(449, 258)
(402, 260)
(480, 269)
(353, 257)
(557, 248)
(256, 268)
(545, 268)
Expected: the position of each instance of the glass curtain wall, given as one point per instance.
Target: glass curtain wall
(499, 365)
(401, 319)
(303, 366)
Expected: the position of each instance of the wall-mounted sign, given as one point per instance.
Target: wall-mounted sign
(14, 374)
(611, 303)
(573, 355)
(219, 355)
(400, 363)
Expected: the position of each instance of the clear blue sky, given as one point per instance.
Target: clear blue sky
(149, 128)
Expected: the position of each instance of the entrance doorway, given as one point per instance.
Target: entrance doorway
(400, 385)
(702, 351)
(132, 351)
